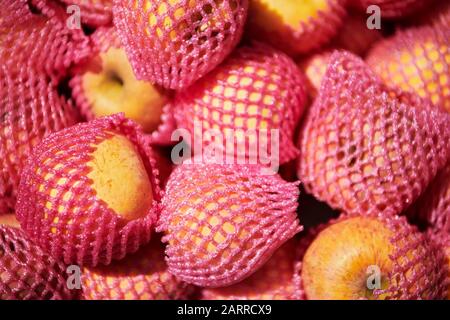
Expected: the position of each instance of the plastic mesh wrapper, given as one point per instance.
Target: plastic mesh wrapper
(30, 108)
(26, 272)
(295, 27)
(366, 148)
(223, 222)
(391, 8)
(433, 207)
(58, 206)
(415, 269)
(108, 83)
(273, 281)
(94, 13)
(41, 42)
(416, 60)
(174, 43)
(139, 276)
(256, 91)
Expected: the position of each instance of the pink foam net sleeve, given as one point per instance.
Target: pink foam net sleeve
(418, 270)
(366, 148)
(223, 222)
(174, 43)
(256, 90)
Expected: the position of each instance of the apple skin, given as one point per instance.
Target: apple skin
(107, 85)
(342, 255)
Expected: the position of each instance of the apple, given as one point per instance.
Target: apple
(257, 91)
(174, 43)
(108, 85)
(362, 143)
(88, 193)
(370, 257)
(222, 222)
(295, 26)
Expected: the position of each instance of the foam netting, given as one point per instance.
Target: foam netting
(392, 8)
(174, 43)
(103, 39)
(274, 281)
(418, 267)
(257, 90)
(30, 108)
(58, 208)
(223, 222)
(366, 148)
(266, 24)
(416, 60)
(433, 207)
(41, 42)
(94, 13)
(139, 276)
(27, 272)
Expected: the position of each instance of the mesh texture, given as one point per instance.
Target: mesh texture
(418, 270)
(26, 272)
(30, 108)
(273, 281)
(41, 42)
(266, 24)
(174, 43)
(140, 276)
(392, 8)
(58, 208)
(257, 89)
(94, 13)
(223, 222)
(416, 60)
(366, 148)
